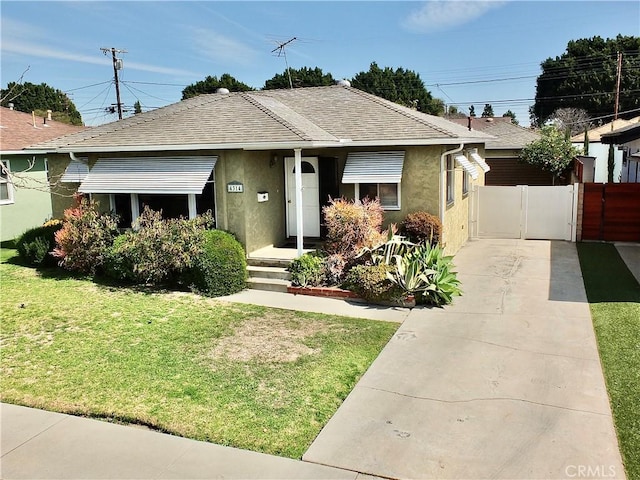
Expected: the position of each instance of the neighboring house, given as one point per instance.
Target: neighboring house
(25, 198)
(502, 152)
(267, 161)
(600, 150)
(627, 140)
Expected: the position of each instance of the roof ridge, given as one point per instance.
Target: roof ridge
(402, 110)
(256, 103)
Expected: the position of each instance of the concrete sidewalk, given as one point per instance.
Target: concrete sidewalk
(506, 383)
(630, 253)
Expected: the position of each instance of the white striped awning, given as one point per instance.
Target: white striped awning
(373, 167)
(75, 172)
(154, 175)
(480, 161)
(469, 167)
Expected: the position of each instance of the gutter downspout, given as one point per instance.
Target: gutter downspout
(443, 180)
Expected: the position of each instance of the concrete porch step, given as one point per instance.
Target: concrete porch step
(269, 284)
(268, 262)
(257, 271)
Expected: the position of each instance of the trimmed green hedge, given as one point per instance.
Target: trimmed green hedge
(220, 268)
(34, 246)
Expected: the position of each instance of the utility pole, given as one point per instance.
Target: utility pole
(117, 65)
(281, 51)
(615, 111)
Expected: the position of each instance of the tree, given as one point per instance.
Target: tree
(553, 152)
(509, 113)
(400, 86)
(137, 108)
(472, 111)
(453, 112)
(572, 120)
(303, 77)
(585, 77)
(212, 84)
(488, 111)
(29, 97)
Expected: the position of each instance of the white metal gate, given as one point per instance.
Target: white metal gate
(544, 213)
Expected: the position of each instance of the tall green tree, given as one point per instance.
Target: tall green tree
(29, 97)
(472, 111)
(553, 152)
(512, 115)
(302, 77)
(488, 111)
(400, 86)
(137, 108)
(585, 77)
(211, 83)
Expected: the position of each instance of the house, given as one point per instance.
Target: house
(265, 162)
(25, 198)
(627, 140)
(600, 149)
(502, 152)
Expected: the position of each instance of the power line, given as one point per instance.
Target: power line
(117, 65)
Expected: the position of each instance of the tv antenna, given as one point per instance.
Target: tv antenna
(282, 52)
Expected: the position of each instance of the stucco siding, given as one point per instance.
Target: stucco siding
(31, 205)
(455, 229)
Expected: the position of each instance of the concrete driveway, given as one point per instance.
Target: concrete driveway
(506, 383)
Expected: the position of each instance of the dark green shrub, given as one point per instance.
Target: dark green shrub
(422, 227)
(34, 246)
(372, 283)
(307, 270)
(157, 250)
(220, 268)
(85, 237)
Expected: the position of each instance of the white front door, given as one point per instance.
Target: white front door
(310, 197)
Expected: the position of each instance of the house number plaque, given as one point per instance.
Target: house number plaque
(235, 187)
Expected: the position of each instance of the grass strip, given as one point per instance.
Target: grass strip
(251, 377)
(614, 298)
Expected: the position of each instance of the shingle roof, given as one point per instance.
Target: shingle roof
(306, 116)
(507, 134)
(17, 130)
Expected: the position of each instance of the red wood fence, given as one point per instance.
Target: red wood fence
(611, 212)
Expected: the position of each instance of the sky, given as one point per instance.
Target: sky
(466, 52)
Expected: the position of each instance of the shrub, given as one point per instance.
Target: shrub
(372, 283)
(220, 268)
(426, 273)
(352, 226)
(157, 250)
(422, 227)
(308, 270)
(34, 246)
(85, 237)
(334, 269)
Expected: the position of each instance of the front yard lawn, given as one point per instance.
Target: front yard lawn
(614, 298)
(251, 377)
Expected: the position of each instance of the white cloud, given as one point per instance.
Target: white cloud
(439, 15)
(220, 48)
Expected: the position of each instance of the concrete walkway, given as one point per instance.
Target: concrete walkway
(506, 383)
(630, 253)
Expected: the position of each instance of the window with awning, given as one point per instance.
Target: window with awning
(376, 175)
(466, 164)
(75, 172)
(480, 161)
(149, 175)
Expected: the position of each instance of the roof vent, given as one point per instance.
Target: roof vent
(222, 91)
(10, 105)
(343, 83)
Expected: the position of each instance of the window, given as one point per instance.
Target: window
(376, 175)
(6, 187)
(387, 193)
(451, 173)
(465, 183)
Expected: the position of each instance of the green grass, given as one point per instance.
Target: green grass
(614, 297)
(251, 377)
